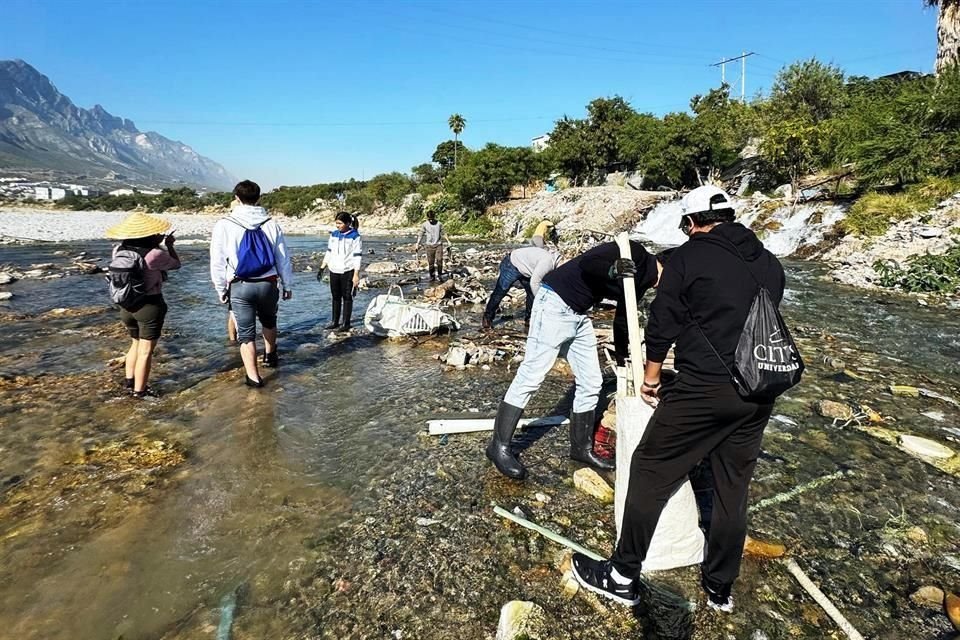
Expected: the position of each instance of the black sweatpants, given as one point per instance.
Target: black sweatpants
(341, 291)
(694, 420)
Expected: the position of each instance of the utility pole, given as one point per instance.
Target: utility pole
(743, 72)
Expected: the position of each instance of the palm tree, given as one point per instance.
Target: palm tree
(456, 122)
(948, 32)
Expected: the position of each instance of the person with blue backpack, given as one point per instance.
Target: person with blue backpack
(249, 265)
(344, 252)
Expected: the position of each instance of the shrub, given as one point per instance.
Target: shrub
(923, 274)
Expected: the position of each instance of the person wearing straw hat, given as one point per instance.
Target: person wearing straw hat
(249, 260)
(143, 234)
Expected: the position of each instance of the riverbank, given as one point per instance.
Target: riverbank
(30, 224)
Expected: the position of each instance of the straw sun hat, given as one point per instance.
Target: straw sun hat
(138, 225)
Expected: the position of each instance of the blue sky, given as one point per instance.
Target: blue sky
(298, 92)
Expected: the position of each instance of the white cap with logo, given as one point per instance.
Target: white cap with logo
(705, 198)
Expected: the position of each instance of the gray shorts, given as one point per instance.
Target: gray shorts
(250, 301)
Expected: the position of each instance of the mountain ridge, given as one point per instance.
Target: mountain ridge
(41, 128)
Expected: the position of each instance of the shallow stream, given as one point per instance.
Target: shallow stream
(132, 519)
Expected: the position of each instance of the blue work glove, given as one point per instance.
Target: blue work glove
(623, 268)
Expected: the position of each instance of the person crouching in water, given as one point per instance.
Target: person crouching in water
(344, 252)
(142, 234)
(526, 266)
(559, 320)
(248, 259)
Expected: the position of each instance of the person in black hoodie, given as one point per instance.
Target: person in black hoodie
(558, 321)
(703, 299)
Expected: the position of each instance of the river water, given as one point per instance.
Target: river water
(132, 519)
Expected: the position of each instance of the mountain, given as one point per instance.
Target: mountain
(40, 128)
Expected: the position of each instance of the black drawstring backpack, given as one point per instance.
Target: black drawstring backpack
(766, 362)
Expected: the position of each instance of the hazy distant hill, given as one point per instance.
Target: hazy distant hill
(41, 128)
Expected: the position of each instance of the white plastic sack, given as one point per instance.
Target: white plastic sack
(678, 540)
(391, 316)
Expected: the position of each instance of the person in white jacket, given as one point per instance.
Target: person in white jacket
(344, 252)
(249, 262)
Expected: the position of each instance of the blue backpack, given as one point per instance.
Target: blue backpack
(255, 255)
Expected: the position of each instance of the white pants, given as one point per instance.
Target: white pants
(554, 326)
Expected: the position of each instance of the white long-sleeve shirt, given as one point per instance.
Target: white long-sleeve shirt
(225, 243)
(344, 251)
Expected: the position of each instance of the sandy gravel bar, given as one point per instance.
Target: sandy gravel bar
(65, 226)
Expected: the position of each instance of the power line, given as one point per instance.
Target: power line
(743, 72)
(213, 123)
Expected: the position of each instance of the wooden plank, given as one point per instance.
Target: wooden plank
(473, 425)
(633, 318)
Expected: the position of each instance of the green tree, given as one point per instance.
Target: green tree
(486, 177)
(425, 173)
(810, 90)
(445, 156)
(456, 122)
(791, 147)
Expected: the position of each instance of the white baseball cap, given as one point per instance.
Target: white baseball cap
(705, 198)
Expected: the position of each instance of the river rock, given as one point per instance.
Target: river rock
(6, 277)
(951, 604)
(382, 267)
(521, 619)
(925, 447)
(928, 596)
(569, 585)
(33, 273)
(5, 295)
(927, 232)
(916, 535)
(589, 482)
(834, 410)
(457, 357)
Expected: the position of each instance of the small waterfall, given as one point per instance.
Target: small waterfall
(662, 225)
(783, 230)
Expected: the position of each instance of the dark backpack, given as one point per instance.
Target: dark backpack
(255, 254)
(766, 362)
(125, 282)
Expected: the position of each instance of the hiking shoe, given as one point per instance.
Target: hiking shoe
(594, 575)
(250, 382)
(270, 360)
(128, 383)
(148, 392)
(718, 597)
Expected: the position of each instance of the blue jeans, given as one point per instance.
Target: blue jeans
(554, 326)
(509, 276)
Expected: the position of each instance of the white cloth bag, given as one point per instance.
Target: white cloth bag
(678, 540)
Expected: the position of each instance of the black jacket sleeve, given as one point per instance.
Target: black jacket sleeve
(668, 313)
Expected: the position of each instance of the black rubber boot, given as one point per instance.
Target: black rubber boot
(335, 320)
(508, 416)
(581, 442)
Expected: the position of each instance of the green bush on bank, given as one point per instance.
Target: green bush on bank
(923, 274)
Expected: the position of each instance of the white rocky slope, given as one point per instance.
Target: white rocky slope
(928, 232)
